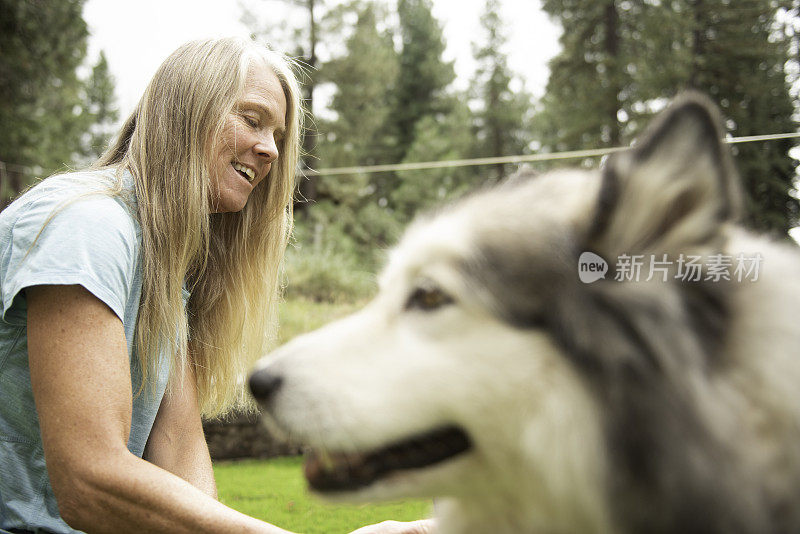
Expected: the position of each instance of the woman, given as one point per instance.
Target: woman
(135, 296)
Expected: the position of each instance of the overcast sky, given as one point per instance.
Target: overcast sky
(138, 36)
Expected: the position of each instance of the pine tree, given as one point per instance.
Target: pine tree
(424, 75)
(789, 15)
(583, 97)
(363, 75)
(502, 127)
(420, 88)
(738, 57)
(43, 100)
(440, 137)
(100, 109)
(622, 60)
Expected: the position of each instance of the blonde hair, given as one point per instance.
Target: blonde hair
(230, 262)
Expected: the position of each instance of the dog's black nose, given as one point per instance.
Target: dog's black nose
(264, 384)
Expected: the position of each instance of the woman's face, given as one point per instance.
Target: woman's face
(250, 138)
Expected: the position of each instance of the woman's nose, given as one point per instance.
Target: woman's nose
(266, 147)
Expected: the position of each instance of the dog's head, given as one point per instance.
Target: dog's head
(485, 365)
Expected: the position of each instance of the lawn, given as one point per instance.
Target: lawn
(274, 491)
(300, 315)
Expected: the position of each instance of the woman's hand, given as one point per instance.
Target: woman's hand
(423, 526)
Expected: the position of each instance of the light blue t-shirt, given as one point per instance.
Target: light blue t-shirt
(94, 240)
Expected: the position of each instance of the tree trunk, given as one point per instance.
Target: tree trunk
(613, 66)
(698, 44)
(307, 185)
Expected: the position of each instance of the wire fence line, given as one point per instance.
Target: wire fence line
(527, 158)
(423, 165)
(572, 154)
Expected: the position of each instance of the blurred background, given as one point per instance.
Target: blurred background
(405, 81)
(402, 82)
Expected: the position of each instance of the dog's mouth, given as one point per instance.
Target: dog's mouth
(338, 472)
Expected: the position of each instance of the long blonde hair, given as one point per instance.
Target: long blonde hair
(229, 262)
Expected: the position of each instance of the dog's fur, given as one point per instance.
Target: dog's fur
(614, 406)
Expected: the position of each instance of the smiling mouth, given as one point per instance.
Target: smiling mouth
(246, 172)
(339, 472)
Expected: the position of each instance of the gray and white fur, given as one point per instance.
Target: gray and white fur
(614, 406)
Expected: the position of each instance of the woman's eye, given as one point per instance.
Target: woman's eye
(427, 299)
(252, 122)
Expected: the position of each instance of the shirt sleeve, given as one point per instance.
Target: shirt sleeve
(89, 241)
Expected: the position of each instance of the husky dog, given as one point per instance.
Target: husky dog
(491, 373)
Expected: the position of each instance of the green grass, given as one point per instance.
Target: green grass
(300, 315)
(274, 491)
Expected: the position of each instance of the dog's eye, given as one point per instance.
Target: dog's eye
(427, 298)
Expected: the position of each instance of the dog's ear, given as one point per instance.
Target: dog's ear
(672, 191)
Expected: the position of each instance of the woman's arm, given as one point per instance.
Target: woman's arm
(176, 442)
(81, 383)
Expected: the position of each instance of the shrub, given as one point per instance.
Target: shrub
(324, 275)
